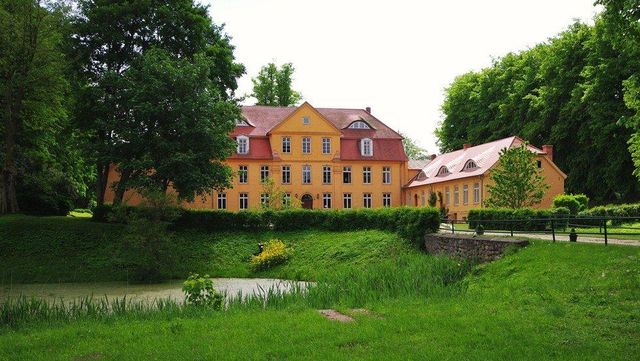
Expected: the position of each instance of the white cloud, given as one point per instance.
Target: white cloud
(395, 56)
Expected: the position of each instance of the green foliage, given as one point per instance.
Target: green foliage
(46, 194)
(517, 180)
(146, 242)
(184, 76)
(611, 211)
(275, 252)
(412, 149)
(567, 92)
(523, 219)
(574, 202)
(277, 197)
(272, 86)
(433, 199)
(198, 291)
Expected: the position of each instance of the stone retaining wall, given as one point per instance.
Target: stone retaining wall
(468, 247)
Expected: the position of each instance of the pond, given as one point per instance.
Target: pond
(169, 289)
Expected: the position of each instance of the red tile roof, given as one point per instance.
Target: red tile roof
(484, 155)
(387, 144)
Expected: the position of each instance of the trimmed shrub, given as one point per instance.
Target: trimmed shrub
(611, 211)
(410, 223)
(523, 219)
(574, 202)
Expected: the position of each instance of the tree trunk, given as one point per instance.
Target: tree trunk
(102, 181)
(8, 198)
(121, 188)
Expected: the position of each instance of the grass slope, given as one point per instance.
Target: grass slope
(65, 249)
(549, 301)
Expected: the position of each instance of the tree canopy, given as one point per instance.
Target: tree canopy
(273, 86)
(412, 149)
(517, 182)
(572, 91)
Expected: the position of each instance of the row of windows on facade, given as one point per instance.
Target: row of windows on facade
(456, 195)
(327, 200)
(366, 145)
(327, 174)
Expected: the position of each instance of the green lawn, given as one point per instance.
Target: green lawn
(548, 301)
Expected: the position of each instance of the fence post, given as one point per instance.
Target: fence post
(606, 241)
(553, 230)
(511, 228)
(453, 230)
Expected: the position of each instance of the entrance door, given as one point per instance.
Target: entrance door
(307, 201)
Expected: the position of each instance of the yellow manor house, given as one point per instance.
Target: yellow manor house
(347, 158)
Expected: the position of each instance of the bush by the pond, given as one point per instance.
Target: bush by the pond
(523, 219)
(275, 252)
(410, 223)
(199, 291)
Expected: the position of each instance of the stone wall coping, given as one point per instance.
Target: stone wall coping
(466, 237)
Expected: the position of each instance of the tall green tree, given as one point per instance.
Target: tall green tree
(273, 86)
(180, 125)
(110, 38)
(32, 91)
(517, 181)
(567, 92)
(412, 149)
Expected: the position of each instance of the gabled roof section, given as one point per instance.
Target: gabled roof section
(302, 108)
(485, 156)
(266, 118)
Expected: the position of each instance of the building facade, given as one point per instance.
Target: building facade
(324, 157)
(461, 177)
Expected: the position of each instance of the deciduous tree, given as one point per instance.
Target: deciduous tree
(517, 181)
(273, 86)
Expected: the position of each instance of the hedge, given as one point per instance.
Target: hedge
(574, 202)
(528, 219)
(410, 223)
(610, 211)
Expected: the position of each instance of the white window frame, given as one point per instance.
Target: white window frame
(242, 146)
(243, 174)
(286, 199)
(243, 199)
(386, 199)
(366, 175)
(456, 195)
(326, 174)
(286, 174)
(367, 200)
(476, 193)
(264, 199)
(470, 165)
(386, 175)
(447, 196)
(306, 120)
(366, 147)
(346, 170)
(443, 171)
(359, 124)
(326, 200)
(326, 145)
(346, 201)
(286, 144)
(306, 145)
(423, 199)
(306, 174)
(222, 200)
(465, 194)
(264, 172)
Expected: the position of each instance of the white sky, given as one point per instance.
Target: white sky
(394, 56)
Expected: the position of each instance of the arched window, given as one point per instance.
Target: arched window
(359, 125)
(470, 165)
(243, 144)
(366, 147)
(421, 176)
(443, 171)
(241, 123)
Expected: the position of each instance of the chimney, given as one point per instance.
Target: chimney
(432, 156)
(368, 109)
(547, 148)
(466, 146)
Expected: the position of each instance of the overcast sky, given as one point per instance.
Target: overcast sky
(395, 56)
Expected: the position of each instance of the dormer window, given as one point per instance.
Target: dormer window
(470, 165)
(243, 144)
(359, 125)
(421, 176)
(443, 171)
(366, 147)
(241, 123)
